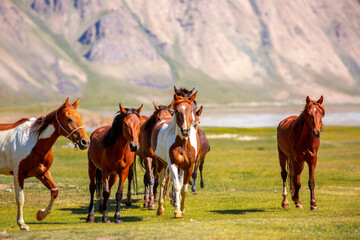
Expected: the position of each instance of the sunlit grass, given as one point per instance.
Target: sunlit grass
(241, 198)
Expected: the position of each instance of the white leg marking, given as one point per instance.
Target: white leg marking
(19, 196)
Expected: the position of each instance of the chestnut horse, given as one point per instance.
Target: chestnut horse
(26, 150)
(204, 143)
(175, 142)
(298, 139)
(112, 151)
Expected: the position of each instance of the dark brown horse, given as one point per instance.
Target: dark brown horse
(298, 139)
(112, 151)
(175, 142)
(26, 150)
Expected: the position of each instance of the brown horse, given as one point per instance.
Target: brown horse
(298, 139)
(26, 150)
(175, 142)
(147, 156)
(204, 143)
(112, 151)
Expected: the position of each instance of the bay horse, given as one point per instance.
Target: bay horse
(112, 151)
(204, 143)
(175, 143)
(26, 150)
(298, 140)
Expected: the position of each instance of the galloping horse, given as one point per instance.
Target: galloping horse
(204, 143)
(112, 151)
(26, 150)
(175, 142)
(298, 139)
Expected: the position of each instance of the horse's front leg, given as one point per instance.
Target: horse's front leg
(107, 184)
(297, 184)
(161, 210)
(185, 179)
(194, 176)
(122, 175)
(312, 165)
(48, 182)
(177, 186)
(19, 197)
(151, 181)
(130, 179)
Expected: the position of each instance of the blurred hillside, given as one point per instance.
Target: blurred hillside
(134, 51)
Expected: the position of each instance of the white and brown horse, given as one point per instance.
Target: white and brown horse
(25, 150)
(175, 142)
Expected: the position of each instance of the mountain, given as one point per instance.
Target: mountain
(233, 52)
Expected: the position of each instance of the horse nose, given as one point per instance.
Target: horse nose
(134, 147)
(316, 133)
(185, 131)
(84, 143)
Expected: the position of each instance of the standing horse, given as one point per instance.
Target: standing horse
(112, 151)
(204, 143)
(298, 139)
(26, 150)
(175, 142)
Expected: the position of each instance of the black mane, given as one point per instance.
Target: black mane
(115, 130)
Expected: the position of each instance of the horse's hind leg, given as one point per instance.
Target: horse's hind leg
(48, 182)
(201, 166)
(193, 181)
(149, 162)
(92, 187)
(282, 159)
(19, 196)
(161, 210)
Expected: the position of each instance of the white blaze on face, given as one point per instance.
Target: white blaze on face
(314, 109)
(17, 143)
(184, 108)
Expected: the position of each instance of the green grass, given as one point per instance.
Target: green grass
(241, 199)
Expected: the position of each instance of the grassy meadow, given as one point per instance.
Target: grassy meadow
(241, 199)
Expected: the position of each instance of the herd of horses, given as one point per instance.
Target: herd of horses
(169, 144)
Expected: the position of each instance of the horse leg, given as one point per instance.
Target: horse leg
(146, 193)
(130, 178)
(19, 197)
(122, 175)
(311, 183)
(193, 182)
(297, 184)
(177, 186)
(48, 182)
(282, 159)
(149, 161)
(156, 184)
(185, 179)
(161, 210)
(106, 195)
(201, 166)
(92, 187)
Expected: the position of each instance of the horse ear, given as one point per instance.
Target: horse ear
(171, 105)
(156, 107)
(198, 112)
(308, 100)
(176, 91)
(122, 110)
(321, 99)
(139, 109)
(76, 103)
(67, 102)
(192, 90)
(193, 97)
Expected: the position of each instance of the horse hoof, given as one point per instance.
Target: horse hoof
(39, 215)
(178, 215)
(202, 185)
(128, 204)
(106, 220)
(314, 208)
(299, 205)
(118, 221)
(285, 205)
(160, 213)
(151, 207)
(194, 193)
(145, 205)
(90, 219)
(24, 227)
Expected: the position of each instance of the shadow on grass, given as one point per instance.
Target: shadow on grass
(237, 211)
(98, 219)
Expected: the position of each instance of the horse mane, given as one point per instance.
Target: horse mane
(42, 122)
(113, 133)
(152, 120)
(187, 93)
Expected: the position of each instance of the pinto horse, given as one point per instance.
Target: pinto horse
(204, 143)
(26, 150)
(112, 151)
(298, 139)
(175, 143)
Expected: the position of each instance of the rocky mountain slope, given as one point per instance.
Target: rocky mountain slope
(233, 52)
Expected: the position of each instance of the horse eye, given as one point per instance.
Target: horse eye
(158, 119)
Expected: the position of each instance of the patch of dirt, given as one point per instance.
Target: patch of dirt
(4, 186)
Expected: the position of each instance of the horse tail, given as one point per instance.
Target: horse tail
(99, 185)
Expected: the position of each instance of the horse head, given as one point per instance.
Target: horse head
(197, 117)
(162, 111)
(70, 124)
(184, 113)
(131, 126)
(314, 112)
